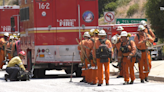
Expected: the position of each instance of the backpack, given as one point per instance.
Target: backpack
(103, 52)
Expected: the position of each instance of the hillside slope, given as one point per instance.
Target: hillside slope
(121, 11)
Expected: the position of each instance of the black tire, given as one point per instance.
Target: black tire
(68, 71)
(39, 73)
(78, 72)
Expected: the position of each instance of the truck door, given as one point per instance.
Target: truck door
(67, 32)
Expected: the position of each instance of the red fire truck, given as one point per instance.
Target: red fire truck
(49, 29)
(5, 13)
(111, 29)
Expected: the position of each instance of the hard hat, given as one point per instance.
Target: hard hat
(143, 22)
(6, 34)
(86, 34)
(102, 32)
(91, 32)
(114, 39)
(120, 28)
(96, 31)
(11, 37)
(18, 34)
(140, 27)
(124, 33)
(23, 53)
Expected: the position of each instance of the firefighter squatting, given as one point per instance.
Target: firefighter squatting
(96, 50)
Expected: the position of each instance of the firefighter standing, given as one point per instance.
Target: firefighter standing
(2, 44)
(91, 44)
(140, 40)
(14, 66)
(127, 55)
(10, 47)
(147, 29)
(102, 54)
(18, 45)
(83, 58)
(116, 45)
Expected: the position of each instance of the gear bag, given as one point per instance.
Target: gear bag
(103, 52)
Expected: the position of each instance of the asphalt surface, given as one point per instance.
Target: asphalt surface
(58, 81)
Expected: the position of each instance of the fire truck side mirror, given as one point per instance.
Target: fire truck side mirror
(12, 24)
(156, 40)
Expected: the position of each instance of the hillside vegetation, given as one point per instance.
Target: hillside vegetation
(126, 9)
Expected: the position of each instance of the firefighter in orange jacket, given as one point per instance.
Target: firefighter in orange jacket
(2, 44)
(141, 40)
(147, 29)
(127, 56)
(83, 44)
(91, 44)
(10, 48)
(116, 44)
(103, 55)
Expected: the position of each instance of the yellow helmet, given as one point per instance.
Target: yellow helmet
(96, 31)
(91, 32)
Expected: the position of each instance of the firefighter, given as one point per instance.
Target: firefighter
(83, 58)
(103, 55)
(10, 47)
(14, 66)
(126, 55)
(147, 29)
(2, 44)
(117, 46)
(91, 52)
(141, 40)
(18, 45)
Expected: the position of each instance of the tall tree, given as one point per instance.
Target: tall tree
(156, 16)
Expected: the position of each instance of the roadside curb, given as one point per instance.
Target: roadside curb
(154, 78)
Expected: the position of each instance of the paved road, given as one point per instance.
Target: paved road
(60, 83)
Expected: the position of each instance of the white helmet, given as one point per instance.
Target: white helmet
(140, 27)
(11, 37)
(120, 28)
(86, 34)
(143, 22)
(6, 34)
(102, 32)
(124, 33)
(114, 39)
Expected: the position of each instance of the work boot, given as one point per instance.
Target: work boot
(119, 76)
(131, 82)
(142, 81)
(99, 84)
(126, 83)
(146, 79)
(83, 80)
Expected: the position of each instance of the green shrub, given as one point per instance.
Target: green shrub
(111, 6)
(122, 2)
(132, 9)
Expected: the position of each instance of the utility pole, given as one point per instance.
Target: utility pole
(3, 2)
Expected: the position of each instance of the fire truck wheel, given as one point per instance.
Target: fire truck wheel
(78, 72)
(39, 73)
(68, 71)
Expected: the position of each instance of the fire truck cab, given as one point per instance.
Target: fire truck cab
(49, 29)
